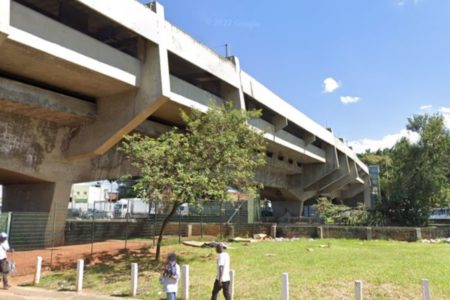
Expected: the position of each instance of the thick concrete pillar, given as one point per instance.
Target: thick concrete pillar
(118, 115)
(51, 198)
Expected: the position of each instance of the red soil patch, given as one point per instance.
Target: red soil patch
(65, 257)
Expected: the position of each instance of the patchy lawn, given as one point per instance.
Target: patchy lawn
(319, 269)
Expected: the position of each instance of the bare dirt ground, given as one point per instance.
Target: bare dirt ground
(65, 257)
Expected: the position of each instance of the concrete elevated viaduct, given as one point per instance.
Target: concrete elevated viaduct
(78, 75)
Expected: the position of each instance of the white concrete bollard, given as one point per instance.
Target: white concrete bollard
(37, 276)
(232, 273)
(80, 271)
(284, 286)
(185, 281)
(426, 289)
(134, 279)
(358, 290)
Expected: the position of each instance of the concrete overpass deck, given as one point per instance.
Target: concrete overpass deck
(76, 76)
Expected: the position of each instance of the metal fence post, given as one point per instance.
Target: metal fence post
(8, 224)
(201, 224)
(128, 219)
(92, 230)
(53, 234)
(179, 229)
(154, 224)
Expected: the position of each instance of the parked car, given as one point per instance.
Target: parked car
(97, 214)
(73, 213)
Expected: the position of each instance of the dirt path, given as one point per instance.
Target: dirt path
(66, 257)
(28, 293)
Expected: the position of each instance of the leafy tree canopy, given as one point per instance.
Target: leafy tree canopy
(216, 151)
(415, 177)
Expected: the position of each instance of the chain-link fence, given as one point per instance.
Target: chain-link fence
(103, 227)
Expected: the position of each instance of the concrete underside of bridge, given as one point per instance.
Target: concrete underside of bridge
(74, 80)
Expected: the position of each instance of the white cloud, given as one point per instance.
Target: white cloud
(330, 85)
(445, 111)
(360, 146)
(426, 107)
(403, 2)
(349, 99)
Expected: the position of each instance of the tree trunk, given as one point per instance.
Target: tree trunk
(161, 232)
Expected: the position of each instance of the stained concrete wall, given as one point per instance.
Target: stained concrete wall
(43, 141)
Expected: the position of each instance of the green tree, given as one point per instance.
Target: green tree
(419, 180)
(216, 151)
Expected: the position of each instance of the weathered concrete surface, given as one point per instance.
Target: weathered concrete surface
(27, 100)
(118, 115)
(78, 96)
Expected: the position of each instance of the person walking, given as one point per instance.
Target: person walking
(222, 281)
(4, 265)
(170, 277)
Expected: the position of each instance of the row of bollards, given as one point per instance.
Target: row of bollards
(134, 278)
(185, 281)
(358, 288)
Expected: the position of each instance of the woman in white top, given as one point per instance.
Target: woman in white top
(170, 277)
(4, 247)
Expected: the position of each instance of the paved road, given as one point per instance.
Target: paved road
(30, 293)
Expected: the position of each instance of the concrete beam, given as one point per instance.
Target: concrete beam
(37, 31)
(120, 114)
(272, 178)
(34, 102)
(151, 128)
(341, 173)
(265, 96)
(355, 189)
(279, 122)
(315, 172)
(289, 141)
(352, 176)
(283, 165)
(309, 138)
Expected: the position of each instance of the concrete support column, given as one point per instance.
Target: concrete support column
(119, 114)
(51, 198)
(236, 95)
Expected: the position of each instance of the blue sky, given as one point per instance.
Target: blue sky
(390, 57)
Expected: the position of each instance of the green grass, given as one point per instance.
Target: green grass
(389, 270)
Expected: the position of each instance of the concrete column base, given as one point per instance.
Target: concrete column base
(49, 198)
